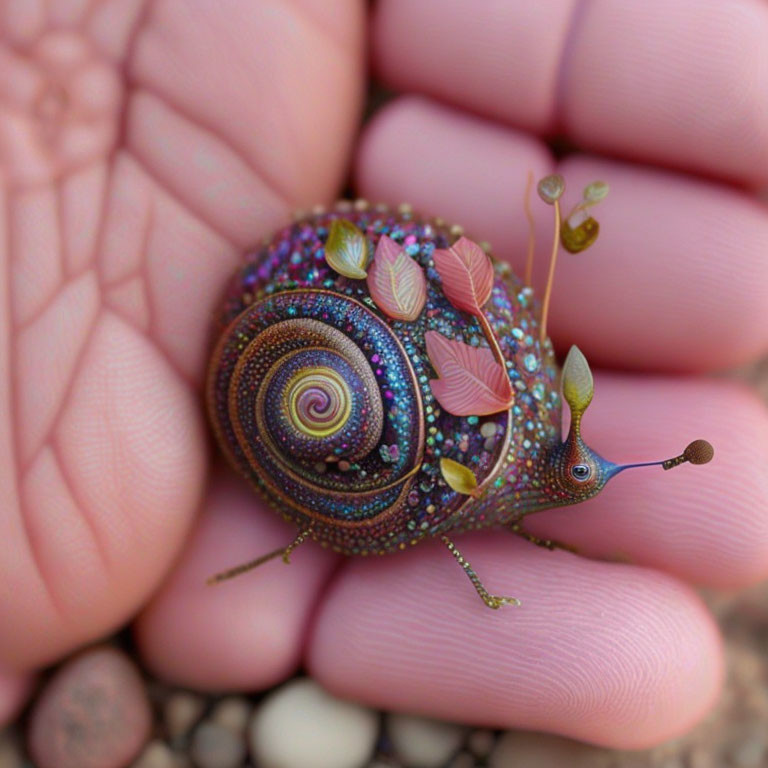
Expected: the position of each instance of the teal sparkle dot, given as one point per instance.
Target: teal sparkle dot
(531, 363)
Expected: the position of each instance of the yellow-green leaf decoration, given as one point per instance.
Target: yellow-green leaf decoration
(579, 238)
(462, 479)
(578, 385)
(396, 281)
(346, 249)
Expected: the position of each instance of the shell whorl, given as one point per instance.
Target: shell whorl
(301, 394)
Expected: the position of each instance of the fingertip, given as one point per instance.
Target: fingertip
(456, 166)
(500, 59)
(680, 83)
(245, 633)
(616, 655)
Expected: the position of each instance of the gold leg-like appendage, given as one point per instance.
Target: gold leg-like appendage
(283, 552)
(550, 544)
(492, 601)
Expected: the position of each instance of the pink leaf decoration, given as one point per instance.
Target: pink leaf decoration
(396, 281)
(471, 382)
(467, 275)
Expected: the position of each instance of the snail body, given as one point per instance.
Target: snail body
(380, 379)
(324, 403)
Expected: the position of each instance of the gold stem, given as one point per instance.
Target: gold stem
(551, 275)
(531, 232)
(492, 340)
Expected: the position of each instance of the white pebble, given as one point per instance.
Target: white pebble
(421, 742)
(302, 726)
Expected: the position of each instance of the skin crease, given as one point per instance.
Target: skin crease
(144, 144)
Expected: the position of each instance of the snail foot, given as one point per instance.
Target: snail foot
(495, 602)
(492, 601)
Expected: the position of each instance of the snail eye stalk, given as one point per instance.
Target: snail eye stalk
(578, 390)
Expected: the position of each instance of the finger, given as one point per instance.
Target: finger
(704, 524)
(635, 79)
(678, 279)
(106, 502)
(14, 688)
(293, 73)
(607, 653)
(241, 634)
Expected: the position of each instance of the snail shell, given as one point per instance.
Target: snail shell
(324, 403)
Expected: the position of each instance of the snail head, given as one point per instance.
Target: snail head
(576, 472)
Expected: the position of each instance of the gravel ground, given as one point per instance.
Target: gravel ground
(97, 710)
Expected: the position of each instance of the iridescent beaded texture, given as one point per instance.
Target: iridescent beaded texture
(374, 485)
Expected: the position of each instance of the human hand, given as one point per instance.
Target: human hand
(618, 654)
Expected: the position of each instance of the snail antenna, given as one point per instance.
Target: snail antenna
(531, 231)
(550, 190)
(697, 452)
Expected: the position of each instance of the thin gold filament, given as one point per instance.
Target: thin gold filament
(551, 275)
(490, 335)
(531, 231)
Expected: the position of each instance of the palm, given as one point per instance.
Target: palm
(128, 202)
(130, 192)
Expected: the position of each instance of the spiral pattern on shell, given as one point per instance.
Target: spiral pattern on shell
(299, 394)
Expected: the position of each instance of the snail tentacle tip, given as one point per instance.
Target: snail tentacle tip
(699, 452)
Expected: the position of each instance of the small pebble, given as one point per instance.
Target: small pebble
(93, 713)
(703, 757)
(538, 750)
(480, 742)
(181, 712)
(749, 752)
(214, 746)
(421, 742)
(233, 713)
(10, 752)
(463, 760)
(300, 725)
(670, 762)
(157, 754)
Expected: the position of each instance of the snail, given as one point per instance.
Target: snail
(379, 378)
